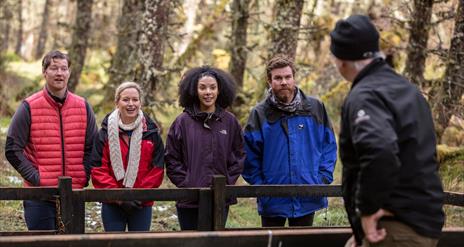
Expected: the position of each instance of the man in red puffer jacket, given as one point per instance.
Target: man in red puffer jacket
(50, 135)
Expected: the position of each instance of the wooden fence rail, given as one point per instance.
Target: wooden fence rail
(212, 201)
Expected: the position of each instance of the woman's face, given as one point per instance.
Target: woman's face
(129, 105)
(208, 91)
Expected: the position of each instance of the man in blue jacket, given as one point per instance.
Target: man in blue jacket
(288, 140)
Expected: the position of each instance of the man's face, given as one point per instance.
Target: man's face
(341, 67)
(57, 76)
(283, 84)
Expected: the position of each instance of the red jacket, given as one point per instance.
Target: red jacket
(151, 166)
(57, 138)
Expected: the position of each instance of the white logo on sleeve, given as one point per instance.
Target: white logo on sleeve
(224, 132)
(361, 116)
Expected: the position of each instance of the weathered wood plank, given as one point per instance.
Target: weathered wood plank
(326, 237)
(65, 220)
(283, 190)
(96, 195)
(43, 193)
(454, 198)
(219, 203)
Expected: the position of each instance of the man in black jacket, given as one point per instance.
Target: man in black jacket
(391, 187)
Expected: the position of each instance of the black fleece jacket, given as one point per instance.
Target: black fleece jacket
(388, 150)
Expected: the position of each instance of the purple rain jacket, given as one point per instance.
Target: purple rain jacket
(200, 145)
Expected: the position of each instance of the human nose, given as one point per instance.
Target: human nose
(60, 71)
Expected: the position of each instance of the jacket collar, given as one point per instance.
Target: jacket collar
(195, 112)
(371, 67)
(52, 99)
(273, 113)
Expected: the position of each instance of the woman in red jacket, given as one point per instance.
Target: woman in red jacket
(128, 153)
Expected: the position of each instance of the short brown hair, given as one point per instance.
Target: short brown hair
(47, 60)
(277, 62)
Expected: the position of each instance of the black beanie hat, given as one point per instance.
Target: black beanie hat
(354, 38)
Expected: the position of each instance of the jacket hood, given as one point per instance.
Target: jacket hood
(196, 114)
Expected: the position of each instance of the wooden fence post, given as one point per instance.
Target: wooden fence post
(66, 205)
(205, 210)
(78, 214)
(219, 195)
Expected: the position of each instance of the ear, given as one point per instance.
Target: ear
(343, 64)
(269, 82)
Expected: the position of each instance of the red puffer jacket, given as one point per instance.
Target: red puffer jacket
(57, 138)
(151, 165)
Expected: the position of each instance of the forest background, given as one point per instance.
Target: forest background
(153, 42)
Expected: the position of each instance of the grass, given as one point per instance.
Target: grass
(452, 174)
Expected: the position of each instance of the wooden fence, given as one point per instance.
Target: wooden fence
(211, 205)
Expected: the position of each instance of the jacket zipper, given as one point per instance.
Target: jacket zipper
(62, 143)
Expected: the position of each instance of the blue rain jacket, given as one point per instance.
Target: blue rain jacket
(289, 148)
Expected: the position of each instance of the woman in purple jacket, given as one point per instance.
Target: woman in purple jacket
(205, 139)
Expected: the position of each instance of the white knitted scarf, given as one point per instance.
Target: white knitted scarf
(114, 123)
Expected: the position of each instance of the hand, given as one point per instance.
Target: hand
(130, 206)
(370, 223)
(351, 242)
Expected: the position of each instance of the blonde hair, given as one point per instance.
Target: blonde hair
(124, 86)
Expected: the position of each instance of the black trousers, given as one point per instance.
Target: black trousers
(188, 217)
(306, 220)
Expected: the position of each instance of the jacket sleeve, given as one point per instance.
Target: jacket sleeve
(16, 141)
(329, 151)
(235, 167)
(89, 137)
(175, 168)
(376, 143)
(154, 177)
(252, 172)
(102, 172)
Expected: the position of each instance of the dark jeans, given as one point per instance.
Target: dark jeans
(188, 218)
(40, 215)
(115, 219)
(306, 220)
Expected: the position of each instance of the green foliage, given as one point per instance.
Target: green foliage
(333, 101)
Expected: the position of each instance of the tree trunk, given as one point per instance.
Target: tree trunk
(151, 46)
(285, 28)
(19, 35)
(43, 30)
(5, 25)
(205, 33)
(419, 25)
(190, 7)
(124, 61)
(80, 40)
(239, 40)
(453, 83)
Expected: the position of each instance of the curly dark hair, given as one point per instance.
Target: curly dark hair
(188, 94)
(277, 62)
